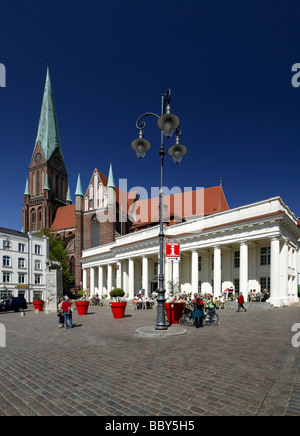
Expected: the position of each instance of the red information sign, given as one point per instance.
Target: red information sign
(172, 250)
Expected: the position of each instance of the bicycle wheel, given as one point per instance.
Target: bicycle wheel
(188, 319)
(215, 319)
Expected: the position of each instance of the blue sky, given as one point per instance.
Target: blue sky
(228, 64)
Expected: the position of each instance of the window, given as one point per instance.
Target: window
(155, 270)
(236, 259)
(265, 283)
(6, 277)
(37, 264)
(265, 255)
(40, 218)
(37, 249)
(21, 278)
(6, 244)
(37, 279)
(6, 261)
(212, 261)
(21, 262)
(95, 231)
(236, 284)
(21, 248)
(199, 263)
(33, 220)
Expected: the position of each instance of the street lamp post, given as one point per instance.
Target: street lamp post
(168, 124)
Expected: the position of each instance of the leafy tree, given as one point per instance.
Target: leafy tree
(58, 253)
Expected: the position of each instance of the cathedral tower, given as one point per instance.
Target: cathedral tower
(47, 186)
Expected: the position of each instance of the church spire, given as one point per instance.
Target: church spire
(111, 182)
(48, 135)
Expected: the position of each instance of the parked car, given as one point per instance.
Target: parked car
(14, 304)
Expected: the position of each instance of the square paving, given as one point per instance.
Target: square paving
(246, 365)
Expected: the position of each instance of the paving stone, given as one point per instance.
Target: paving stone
(245, 366)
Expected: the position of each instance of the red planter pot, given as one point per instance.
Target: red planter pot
(38, 305)
(118, 309)
(174, 312)
(82, 307)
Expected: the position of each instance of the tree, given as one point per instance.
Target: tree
(58, 253)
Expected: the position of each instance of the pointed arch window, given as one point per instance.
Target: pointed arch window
(40, 218)
(38, 183)
(33, 220)
(95, 231)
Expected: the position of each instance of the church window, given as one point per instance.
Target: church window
(95, 231)
(57, 186)
(33, 220)
(40, 218)
(38, 183)
(62, 188)
(33, 184)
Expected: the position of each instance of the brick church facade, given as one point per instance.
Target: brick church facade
(47, 200)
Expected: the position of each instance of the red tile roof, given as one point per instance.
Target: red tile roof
(64, 218)
(180, 207)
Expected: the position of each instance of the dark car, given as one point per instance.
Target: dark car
(14, 304)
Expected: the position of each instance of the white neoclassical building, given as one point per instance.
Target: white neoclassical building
(250, 247)
(22, 264)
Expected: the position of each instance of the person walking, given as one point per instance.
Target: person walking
(241, 302)
(66, 308)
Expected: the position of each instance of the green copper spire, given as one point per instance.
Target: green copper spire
(46, 185)
(27, 188)
(78, 187)
(68, 195)
(110, 183)
(48, 134)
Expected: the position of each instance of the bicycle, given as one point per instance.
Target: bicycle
(187, 318)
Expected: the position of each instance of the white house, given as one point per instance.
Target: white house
(22, 264)
(250, 247)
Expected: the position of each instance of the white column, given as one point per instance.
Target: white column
(100, 280)
(119, 275)
(109, 278)
(168, 275)
(145, 275)
(92, 281)
(176, 273)
(217, 271)
(275, 273)
(194, 272)
(284, 279)
(125, 277)
(244, 269)
(84, 279)
(131, 278)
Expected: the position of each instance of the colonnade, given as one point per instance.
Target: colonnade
(133, 274)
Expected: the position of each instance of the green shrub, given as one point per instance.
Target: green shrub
(117, 293)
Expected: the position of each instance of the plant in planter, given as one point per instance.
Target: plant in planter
(82, 303)
(38, 303)
(118, 307)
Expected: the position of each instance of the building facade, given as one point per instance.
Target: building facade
(251, 247)
(22, 264)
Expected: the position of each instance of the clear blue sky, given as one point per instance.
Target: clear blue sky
(228, 64)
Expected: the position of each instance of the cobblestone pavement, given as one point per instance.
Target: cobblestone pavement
(245, 366)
